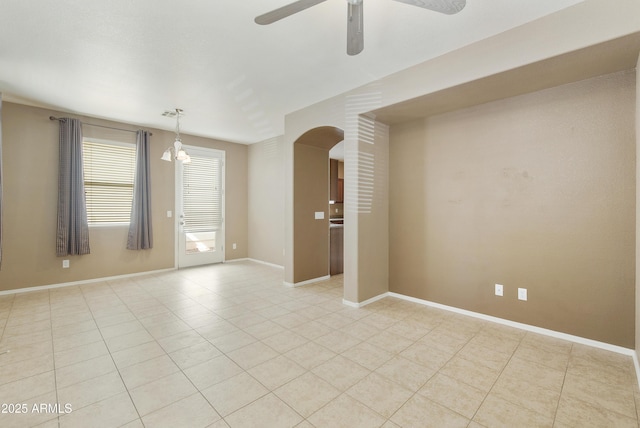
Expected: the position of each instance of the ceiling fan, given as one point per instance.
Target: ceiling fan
(355, 34)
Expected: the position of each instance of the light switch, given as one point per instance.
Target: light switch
(169, 214)
(319, 215)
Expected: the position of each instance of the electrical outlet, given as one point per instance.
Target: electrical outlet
(499, 290)
(522, 294)
(65, 264)
(234, 245)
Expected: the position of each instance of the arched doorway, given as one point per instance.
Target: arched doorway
(311, 203)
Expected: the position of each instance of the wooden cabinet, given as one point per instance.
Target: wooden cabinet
(336, 237)
(336, 181)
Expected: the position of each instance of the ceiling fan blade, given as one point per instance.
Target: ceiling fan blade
(355, 29)
(443, 6)
(284, 11)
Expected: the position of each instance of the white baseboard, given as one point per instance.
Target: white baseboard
(244, 259)
(576, 339)
(527, 327)
(265, 263)
(81, 282)
(309, 281)
(552, 333)
(366, 302)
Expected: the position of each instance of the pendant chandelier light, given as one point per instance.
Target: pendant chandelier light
(176, 152)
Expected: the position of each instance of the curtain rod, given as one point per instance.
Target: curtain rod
(62, 119)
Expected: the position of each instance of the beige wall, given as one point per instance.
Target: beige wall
(558, 35)
(31, 195)
(311, 189)
(266, 201)
(536, 191)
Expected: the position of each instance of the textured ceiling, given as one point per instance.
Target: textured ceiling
(131, 60)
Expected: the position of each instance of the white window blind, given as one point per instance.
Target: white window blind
(202, 194)
(108, 181)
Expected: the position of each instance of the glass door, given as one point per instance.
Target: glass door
(200, 207)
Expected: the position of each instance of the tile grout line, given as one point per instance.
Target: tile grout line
(497, 378)
(53, 358)
(4, 328)
(7, 352)
(165, 354)
(564, 378)
(180, 369)
(452, 357)
(414, 393)
(273, 391)
(110, 356)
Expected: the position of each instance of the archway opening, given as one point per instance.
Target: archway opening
(311, 195)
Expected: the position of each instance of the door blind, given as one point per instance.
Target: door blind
(202, 194)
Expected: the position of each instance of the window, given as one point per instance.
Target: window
(109, 169)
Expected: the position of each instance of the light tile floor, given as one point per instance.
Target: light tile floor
(230, 346)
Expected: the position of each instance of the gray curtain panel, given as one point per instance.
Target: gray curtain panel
(1, 181)
(73, 230)
(140, 227)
